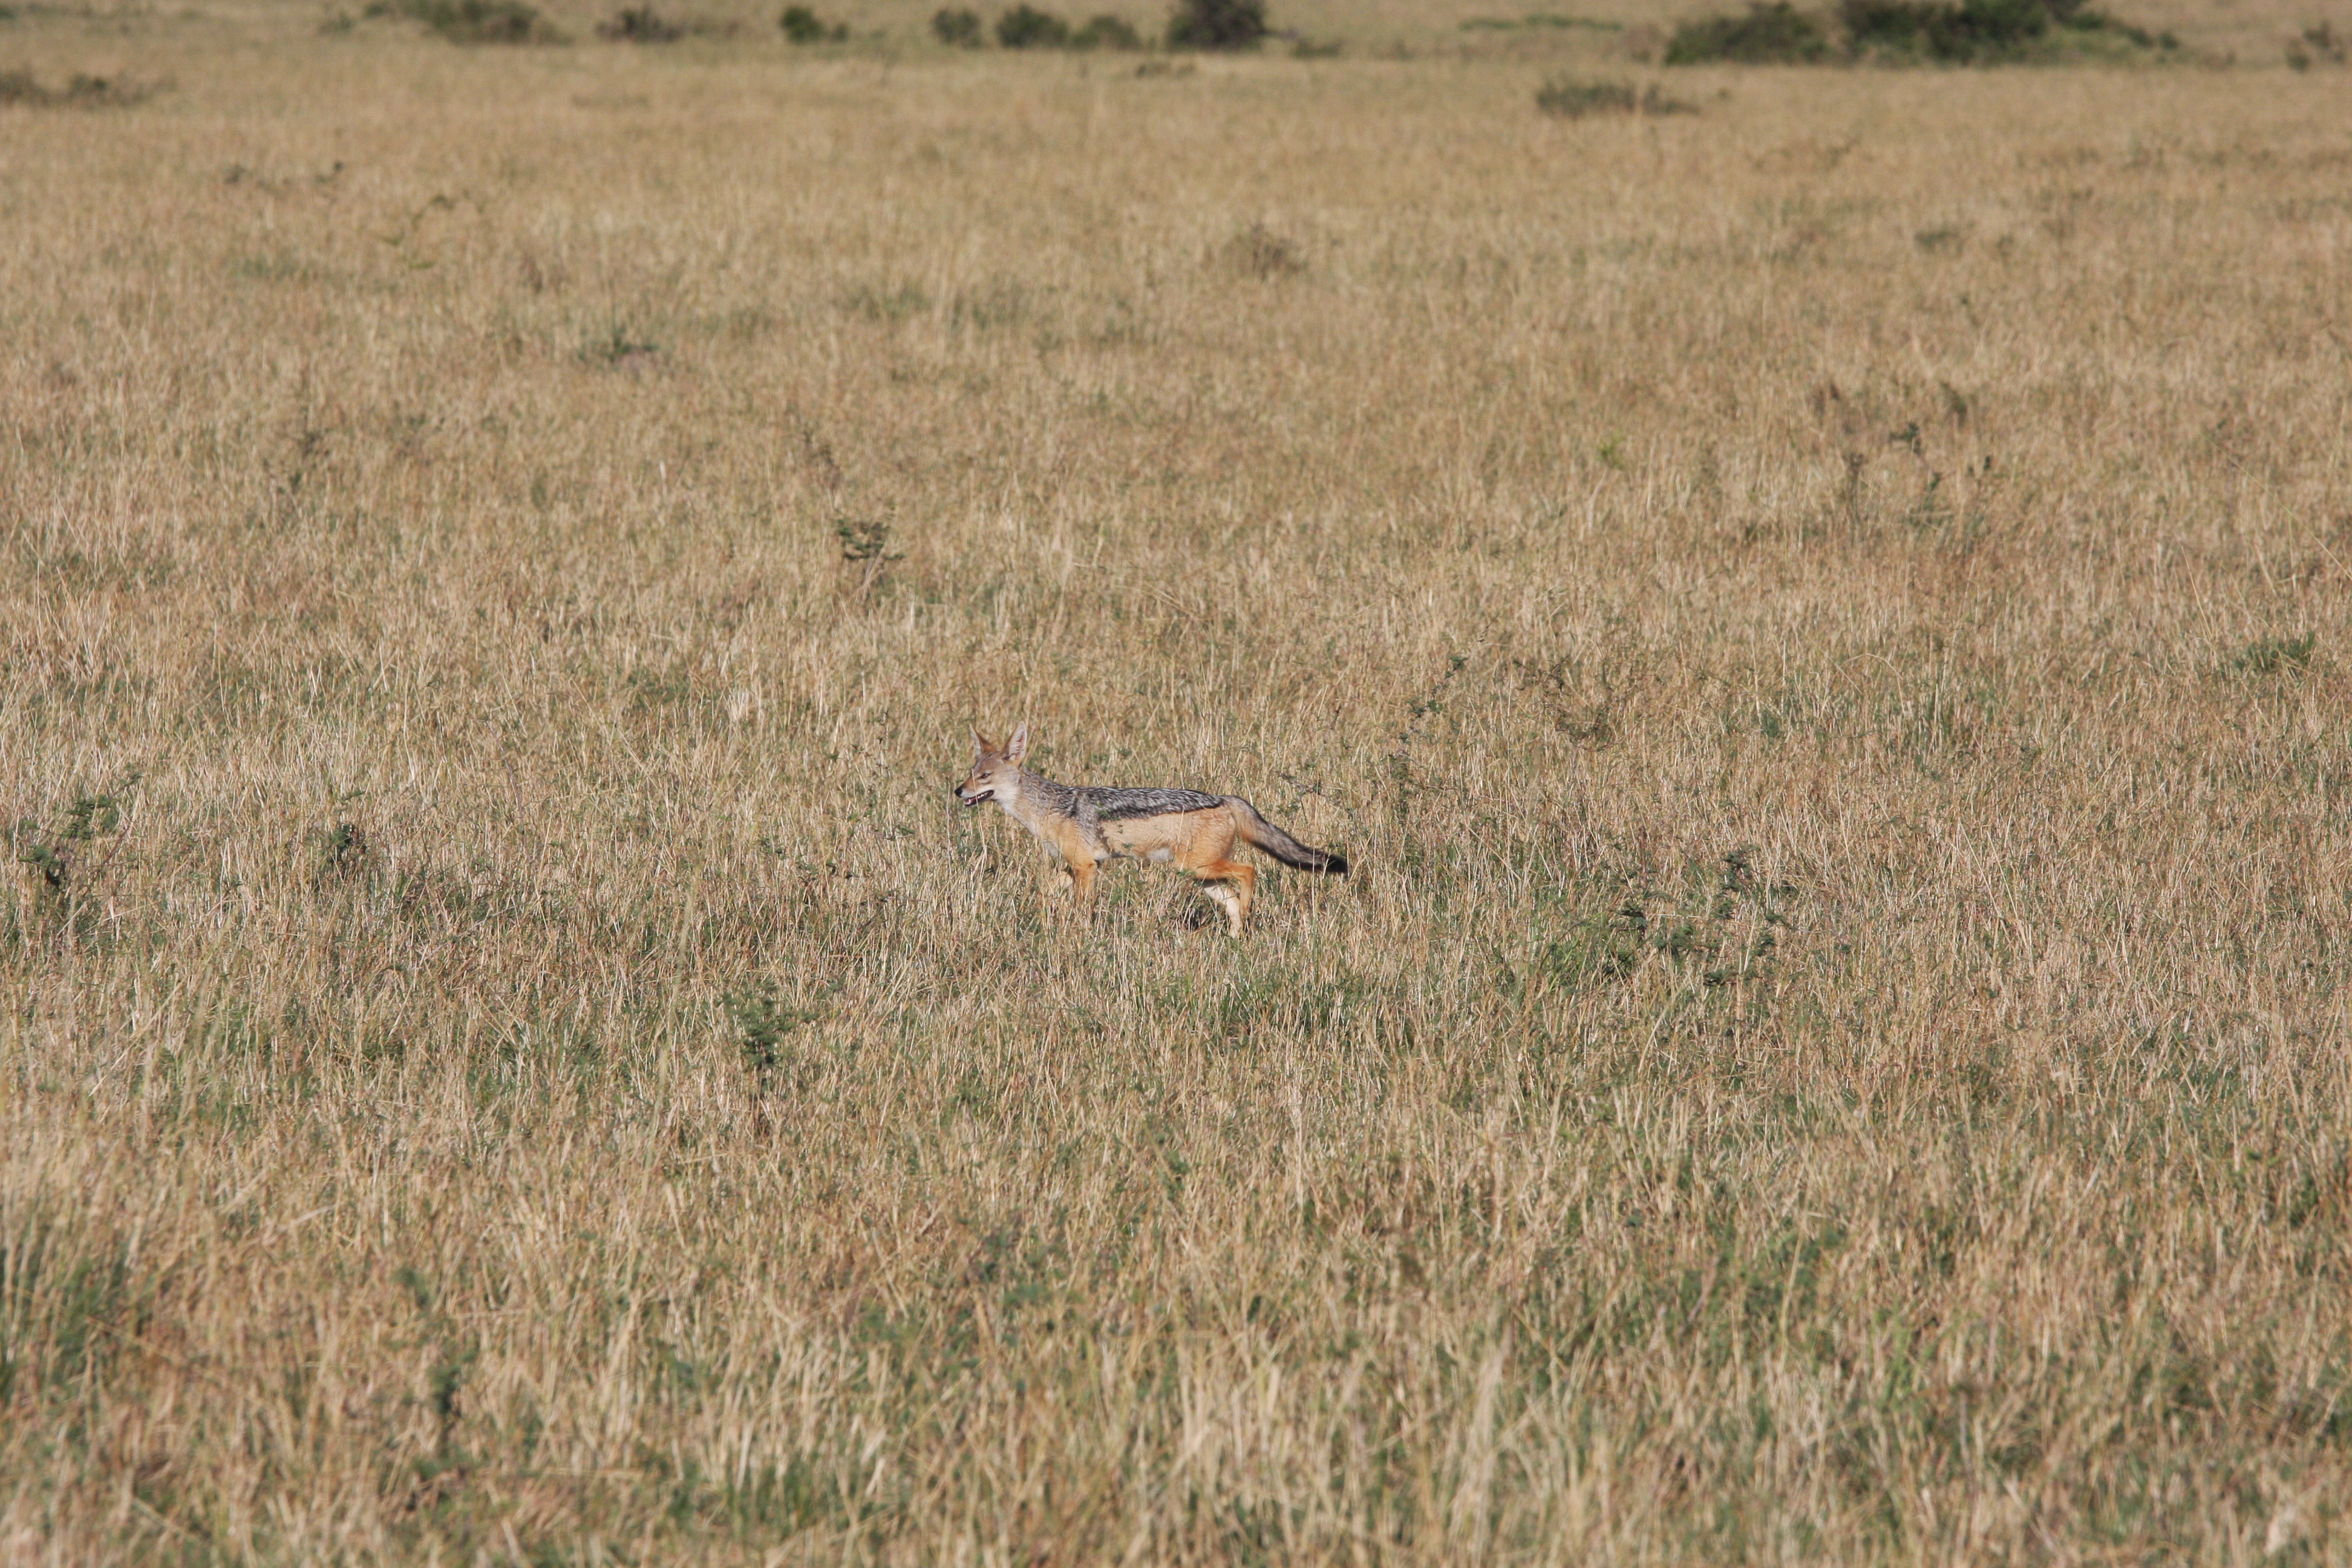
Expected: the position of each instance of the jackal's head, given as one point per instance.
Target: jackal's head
(995, 769)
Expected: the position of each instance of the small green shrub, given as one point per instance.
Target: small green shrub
(1575, 100)
(764, 1023)
(1217, 25)
(79, 91)
(2272, 654)
(1258, 252)
(804, 26)
(54, 858)
(957, 29)
(2319, 43)
(1770, 33)
(1572, 100)
(343, 848)
(895, 304)
(618, 348)
(1538, 20)
(1026, 28)
(865, 544)
(472, 21)
(640, 24)
(1106, 32)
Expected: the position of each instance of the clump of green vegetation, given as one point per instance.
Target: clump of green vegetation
(886, 304)
(1538, 19)
(762, 1023)
(640, 24)
(958, 29)
(343, 846)
(865, 544)
(1770, 33)
(1258, 252)
(2319, 43)
(1106, 32)
(1571, 100)
(1949, 32)
(473, 21)
(1027, 28)
(804, 26)
(1975, 31)
(52, 860)
(1217, 25)
(2271, 656)
(618, 348)
(1719, 928)
(21, 87)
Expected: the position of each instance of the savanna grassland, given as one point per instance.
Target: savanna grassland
(1820, 622)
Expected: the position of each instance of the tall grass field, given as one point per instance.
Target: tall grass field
(1817, 600)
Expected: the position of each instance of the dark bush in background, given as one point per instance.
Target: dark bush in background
(957, 29)
(1973, 29)
(1217, 25)
(2319, 42)
(1106, 32)
(1775, 33)
(640, 24)
(802, 26)
(1026, 28)
(472, 21)
(1955, 32)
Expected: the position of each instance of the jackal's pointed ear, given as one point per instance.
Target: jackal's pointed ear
(980, 744)
(1018, 747)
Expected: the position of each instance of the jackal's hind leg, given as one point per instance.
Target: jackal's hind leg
(1232, 884)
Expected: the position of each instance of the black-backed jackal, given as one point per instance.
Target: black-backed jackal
(1085, 825)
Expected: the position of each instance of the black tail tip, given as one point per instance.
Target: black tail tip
(1335, 865)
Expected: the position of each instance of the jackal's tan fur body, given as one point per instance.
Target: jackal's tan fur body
(1084, 825)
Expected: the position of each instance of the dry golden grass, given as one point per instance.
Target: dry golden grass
(1819, 623)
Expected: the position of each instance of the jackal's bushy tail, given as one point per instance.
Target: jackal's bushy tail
(1259, 834)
